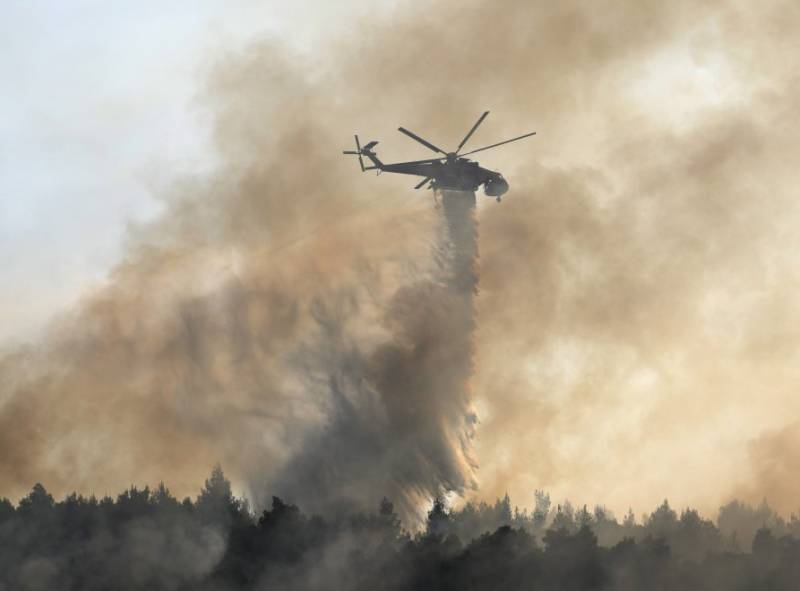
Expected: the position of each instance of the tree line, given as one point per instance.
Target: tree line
(147, 539)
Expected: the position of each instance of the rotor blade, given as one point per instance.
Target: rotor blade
(471, 131)
(420, 140)
(360, 159)
(350, 152)
(425, 180)
(499, 143)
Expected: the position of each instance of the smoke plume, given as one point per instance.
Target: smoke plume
(637, 320)
(399, 420)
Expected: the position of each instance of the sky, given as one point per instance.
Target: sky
(99, 111)
(188, 253)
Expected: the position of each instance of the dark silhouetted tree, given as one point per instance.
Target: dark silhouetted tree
(388, 519)
(216, 503)
(6, 510)
(438, 524)
(663, 522)
(39, 502)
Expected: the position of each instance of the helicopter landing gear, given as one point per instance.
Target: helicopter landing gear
(498, 199)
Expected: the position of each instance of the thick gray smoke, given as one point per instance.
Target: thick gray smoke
(399, 421)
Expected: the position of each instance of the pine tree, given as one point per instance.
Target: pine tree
(216, 503)
(438, 519)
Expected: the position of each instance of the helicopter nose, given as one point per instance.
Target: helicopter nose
(496, 187)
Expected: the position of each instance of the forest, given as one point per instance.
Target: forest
(148, 539)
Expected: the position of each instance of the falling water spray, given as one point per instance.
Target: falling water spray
(401, 422)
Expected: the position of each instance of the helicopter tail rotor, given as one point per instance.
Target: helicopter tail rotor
(357, 152)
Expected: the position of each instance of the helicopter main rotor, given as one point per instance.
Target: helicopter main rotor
(456, 154)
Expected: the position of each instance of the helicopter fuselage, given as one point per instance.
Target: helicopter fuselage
(454, 173)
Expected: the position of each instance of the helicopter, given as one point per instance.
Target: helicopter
(452, 171)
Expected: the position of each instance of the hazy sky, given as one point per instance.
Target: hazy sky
(97, 111)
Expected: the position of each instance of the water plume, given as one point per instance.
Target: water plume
(400, 419)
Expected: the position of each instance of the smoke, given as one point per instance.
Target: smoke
(636, 334)
(324, 394)
(775, 461)
(399, 421)
(313, 342)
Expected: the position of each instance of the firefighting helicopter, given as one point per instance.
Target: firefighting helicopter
(452, 171)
